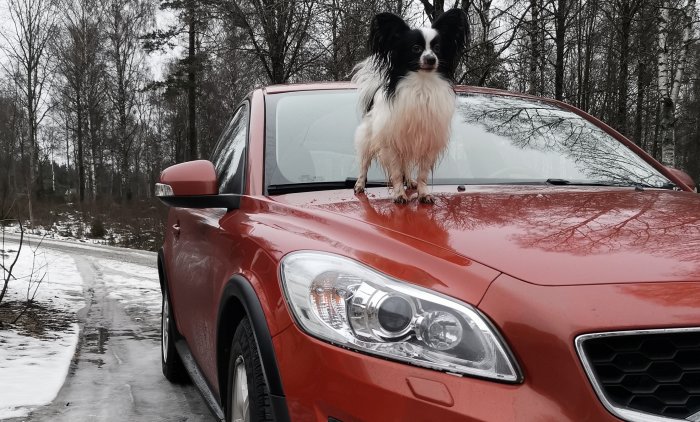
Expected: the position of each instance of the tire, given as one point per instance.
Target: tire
(171, 363)
(245, 365)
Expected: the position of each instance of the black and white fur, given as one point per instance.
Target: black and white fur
(407, 98)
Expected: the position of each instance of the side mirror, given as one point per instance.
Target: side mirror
(683, 177)
(193, 185)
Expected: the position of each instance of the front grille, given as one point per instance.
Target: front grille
(654, 371)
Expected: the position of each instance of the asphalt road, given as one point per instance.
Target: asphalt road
(115, 374)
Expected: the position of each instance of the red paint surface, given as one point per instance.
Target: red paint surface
(191, 178)
(565, 261)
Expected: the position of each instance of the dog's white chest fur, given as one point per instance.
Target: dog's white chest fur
(416, 122)
(420, 116)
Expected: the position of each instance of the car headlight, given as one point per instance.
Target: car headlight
(348, 304)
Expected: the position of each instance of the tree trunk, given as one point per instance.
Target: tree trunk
(81, 151)
(192, 84)
(641, 88)
(668, 126)
(534, 46)
(560, 34)
(669, 89)
(626, 16)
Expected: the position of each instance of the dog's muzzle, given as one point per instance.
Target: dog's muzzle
(428, 62)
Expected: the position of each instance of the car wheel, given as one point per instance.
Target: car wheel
(248, 396)
(172, 366)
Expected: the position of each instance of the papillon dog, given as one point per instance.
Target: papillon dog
(407, 98)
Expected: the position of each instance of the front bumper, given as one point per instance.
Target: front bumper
(540, 325)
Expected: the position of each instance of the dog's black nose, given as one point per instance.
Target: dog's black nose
(430, 60)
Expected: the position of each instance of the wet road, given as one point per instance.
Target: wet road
(115, 374)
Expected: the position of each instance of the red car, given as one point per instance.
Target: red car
(556, 277)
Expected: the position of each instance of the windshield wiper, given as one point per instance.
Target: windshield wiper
(564, 182)
(348, 183)
(638, 185)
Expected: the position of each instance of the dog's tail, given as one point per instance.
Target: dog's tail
(369, 79)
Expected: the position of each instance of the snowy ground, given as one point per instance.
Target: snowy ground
(33, 368)
(72, 228)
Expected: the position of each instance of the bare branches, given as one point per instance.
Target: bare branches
(8, 268)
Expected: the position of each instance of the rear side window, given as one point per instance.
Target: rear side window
(229, 154)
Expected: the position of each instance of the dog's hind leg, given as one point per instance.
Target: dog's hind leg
(363, 143)
(407, 179)
(424, 168)
(395, 168)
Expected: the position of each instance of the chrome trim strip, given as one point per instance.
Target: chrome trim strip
(163, 190)
(625, 414)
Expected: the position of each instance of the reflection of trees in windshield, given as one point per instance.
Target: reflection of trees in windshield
(539, 126)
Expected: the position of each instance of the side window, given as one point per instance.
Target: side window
(229, 154)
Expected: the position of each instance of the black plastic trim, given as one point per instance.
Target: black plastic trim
(229, 201)
(198, 379)
(163, 276)
(238, 287)
(161, 268)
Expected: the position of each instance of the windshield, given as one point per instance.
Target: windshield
(495, 139)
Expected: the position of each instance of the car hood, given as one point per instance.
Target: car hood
(543, 235)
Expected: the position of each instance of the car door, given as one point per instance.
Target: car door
(195, 248)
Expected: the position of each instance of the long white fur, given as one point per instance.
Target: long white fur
(406, 133)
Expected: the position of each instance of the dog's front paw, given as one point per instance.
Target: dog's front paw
(401, 198)
(426, 199)
(359, 186)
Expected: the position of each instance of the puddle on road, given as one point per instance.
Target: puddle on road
(96, 341)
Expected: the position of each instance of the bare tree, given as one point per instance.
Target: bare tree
(8, 267)
(30, 68)
(126, 22)
(670, 85)
(278, 32)
(81, 89)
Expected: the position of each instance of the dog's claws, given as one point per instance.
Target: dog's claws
(359, 188)
(401, 199)
(426, 199)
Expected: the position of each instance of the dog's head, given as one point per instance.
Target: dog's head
(436, 49)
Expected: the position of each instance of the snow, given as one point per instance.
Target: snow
(33, 369)
(134, 286)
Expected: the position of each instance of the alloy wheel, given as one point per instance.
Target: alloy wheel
(239, 400)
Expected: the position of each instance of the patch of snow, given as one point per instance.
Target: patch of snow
(133, 285)
(32, 370)
(139, 271)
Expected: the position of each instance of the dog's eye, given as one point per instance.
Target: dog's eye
(417, 48)
(436, 48)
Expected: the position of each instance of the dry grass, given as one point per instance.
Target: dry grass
(33, 319)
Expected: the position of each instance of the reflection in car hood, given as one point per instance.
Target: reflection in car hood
(545, 235)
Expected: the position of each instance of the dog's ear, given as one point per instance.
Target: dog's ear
(383, 33)
(453, 28)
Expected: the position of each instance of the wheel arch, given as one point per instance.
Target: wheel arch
(161, 269)
(239, 300)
